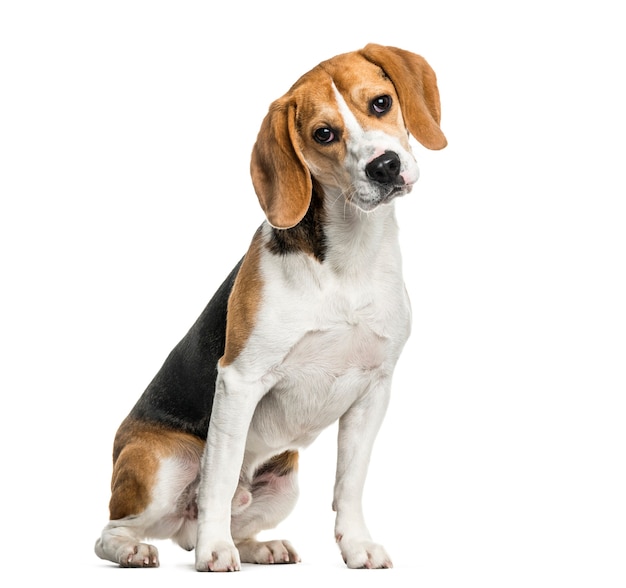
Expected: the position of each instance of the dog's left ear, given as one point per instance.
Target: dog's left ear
(416, 85)
(280, 177)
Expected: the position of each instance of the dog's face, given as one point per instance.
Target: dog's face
(345, 126)
(352, 135)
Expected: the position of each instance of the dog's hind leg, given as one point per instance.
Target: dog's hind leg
(154, 482)
(274, 491)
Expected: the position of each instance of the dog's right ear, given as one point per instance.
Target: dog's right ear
(280, 176)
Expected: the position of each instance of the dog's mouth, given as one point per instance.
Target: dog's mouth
(378, 194)
(394, 192)
(398, 190)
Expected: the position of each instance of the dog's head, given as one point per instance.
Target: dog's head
(344, 125)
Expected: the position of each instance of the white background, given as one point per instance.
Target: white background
(125, 135)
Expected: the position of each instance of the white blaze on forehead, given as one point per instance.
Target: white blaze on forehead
(358, 138)
(364, 145)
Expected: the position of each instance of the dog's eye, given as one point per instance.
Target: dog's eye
(324, 135)
(380, 105)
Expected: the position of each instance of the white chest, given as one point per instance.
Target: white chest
(326, 334)
(339, 344)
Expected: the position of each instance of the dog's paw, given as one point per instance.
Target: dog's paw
(219, 557)
(138, 555)
(267, 552)
(364, 554)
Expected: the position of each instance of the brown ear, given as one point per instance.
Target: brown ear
(416, 84)
(280, 176)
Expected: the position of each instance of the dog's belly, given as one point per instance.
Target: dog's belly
(320, 378)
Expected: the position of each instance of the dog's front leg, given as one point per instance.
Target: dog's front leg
(233, 407)
(357, 430)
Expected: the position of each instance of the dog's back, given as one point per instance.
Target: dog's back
(180, 397)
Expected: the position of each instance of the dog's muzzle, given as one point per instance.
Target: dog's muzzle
(387, 182)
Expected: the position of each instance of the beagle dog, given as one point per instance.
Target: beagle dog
(305, 331)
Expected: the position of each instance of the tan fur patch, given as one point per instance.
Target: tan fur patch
(317, 108)
(243, 303)
(280, 465)
(137, 453)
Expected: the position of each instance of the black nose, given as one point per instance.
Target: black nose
(384, 169)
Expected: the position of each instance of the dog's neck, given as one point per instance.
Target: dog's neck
(356, 239)
(336, 233)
